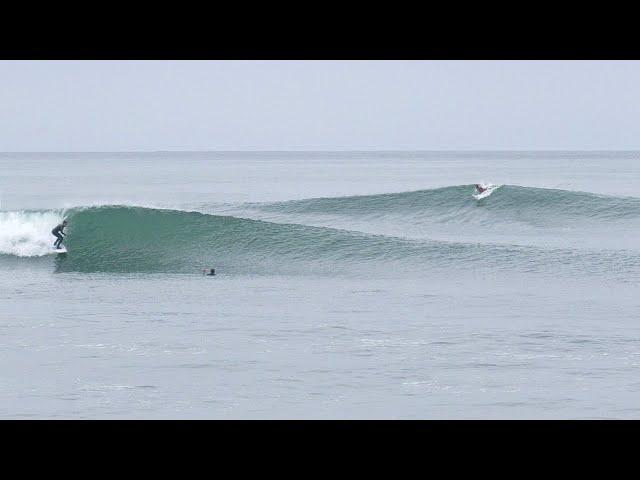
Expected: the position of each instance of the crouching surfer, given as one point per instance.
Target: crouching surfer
(58, 232)
(212, 272)
(480, 188)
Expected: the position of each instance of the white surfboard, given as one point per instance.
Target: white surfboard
(62, 249)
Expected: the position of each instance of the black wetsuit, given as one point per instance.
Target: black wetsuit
(58, 232)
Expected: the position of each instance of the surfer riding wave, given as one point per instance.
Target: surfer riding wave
(58, 232)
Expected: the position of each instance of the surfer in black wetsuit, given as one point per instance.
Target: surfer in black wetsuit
(59, 233)
(480, 188)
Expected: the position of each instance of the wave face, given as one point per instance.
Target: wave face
(511, 215)
(122, 239)
(136, 239)
(509, 203)
(345, 235)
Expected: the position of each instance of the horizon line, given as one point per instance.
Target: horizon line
(324, 151)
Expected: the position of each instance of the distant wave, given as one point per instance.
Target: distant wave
(510, 203)
(137, 239)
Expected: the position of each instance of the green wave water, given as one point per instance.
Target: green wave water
(133, 239)
(508, 203)
(136, 239)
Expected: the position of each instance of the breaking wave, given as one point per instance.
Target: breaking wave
(130, 239)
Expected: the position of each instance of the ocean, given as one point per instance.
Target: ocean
(349, 285)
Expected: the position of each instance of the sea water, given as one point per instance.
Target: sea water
(348, 285)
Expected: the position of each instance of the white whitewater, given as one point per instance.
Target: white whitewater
(28, 234)
(490, 188)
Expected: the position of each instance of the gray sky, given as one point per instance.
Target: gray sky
(390, 105)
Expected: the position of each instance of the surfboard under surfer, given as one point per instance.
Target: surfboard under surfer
(59, 234)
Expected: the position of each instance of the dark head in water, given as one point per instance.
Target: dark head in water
(212, 272)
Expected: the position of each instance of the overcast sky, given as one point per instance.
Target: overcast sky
(322, 105)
